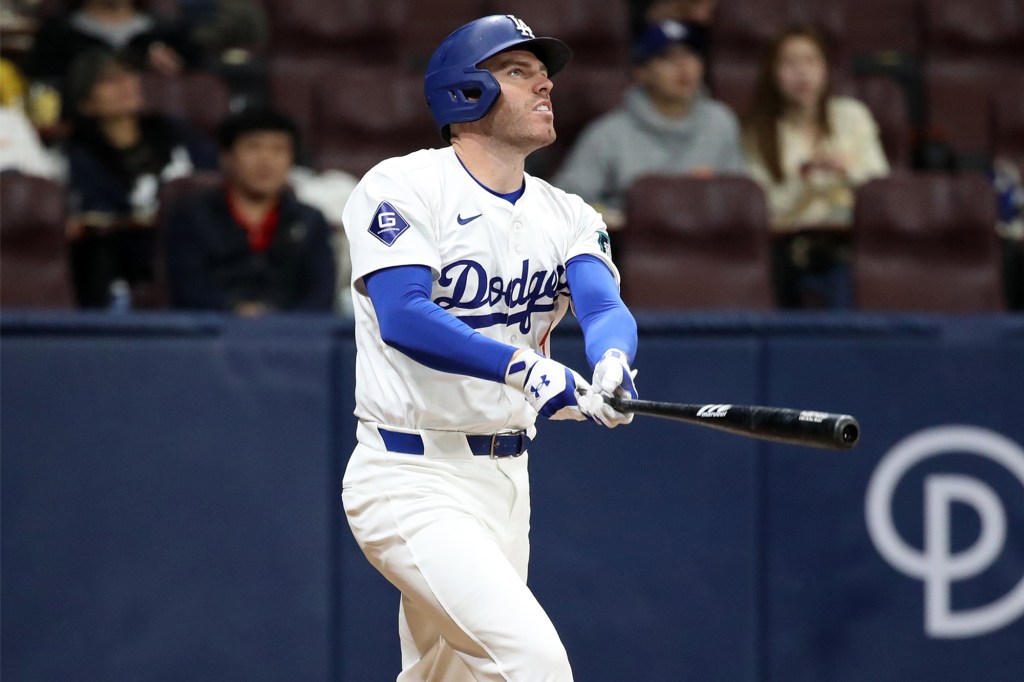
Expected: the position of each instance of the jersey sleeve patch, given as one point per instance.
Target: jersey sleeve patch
(387, 224)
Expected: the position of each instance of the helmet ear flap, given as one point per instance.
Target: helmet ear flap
(467, 97)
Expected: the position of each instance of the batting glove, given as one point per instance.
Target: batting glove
(613, 377)
(549, 386)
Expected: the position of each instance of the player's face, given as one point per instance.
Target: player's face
(801, 72)
(117, 93)
(259, 162)
(673, 77)
(523, 115)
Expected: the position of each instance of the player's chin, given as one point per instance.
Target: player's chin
(544, 135)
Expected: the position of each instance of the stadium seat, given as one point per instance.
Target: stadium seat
(887, 102)
(882, 26)
(156, 295)
(202, 99)
(733, 83)
(1008, 121)
(344, 136)
(828, 17)
(696, 244)
(425, 25)
(971, 29)
(597, 32)
(927, 242)
(744, 28)
(294, 82)
(34, 266)
(960, 100)
(363, 31)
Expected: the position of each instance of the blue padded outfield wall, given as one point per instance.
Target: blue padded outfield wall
(170, 505)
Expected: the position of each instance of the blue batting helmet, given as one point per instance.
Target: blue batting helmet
(457, 91)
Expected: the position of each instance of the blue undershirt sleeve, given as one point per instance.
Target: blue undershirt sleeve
(604, 318)
(412, 323)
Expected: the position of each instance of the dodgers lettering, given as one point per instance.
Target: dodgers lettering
(473, 288)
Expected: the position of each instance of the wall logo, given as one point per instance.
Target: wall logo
(936, 564)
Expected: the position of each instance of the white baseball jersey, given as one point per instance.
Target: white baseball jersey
(498, 267)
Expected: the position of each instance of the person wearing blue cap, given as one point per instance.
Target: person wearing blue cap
(667, 124)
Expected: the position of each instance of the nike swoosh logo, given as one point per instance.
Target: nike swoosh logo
(463, 221)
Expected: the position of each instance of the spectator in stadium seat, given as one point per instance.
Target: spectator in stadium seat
(809, 150)
(695, 12)
(251, 247)
(667, 124)
(117, 159)
(146, 41)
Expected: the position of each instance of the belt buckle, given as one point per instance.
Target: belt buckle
(494, 442)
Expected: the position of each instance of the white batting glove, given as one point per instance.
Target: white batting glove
(613, 377)
(550, 387)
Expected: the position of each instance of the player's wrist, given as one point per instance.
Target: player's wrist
(520, 366)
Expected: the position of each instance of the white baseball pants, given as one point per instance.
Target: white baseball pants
(451, 532)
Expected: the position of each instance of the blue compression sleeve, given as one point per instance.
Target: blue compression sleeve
(413, 324)
(604, 318)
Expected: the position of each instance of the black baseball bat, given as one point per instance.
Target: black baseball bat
(782, 424)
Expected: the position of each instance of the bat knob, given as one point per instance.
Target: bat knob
(848, 431)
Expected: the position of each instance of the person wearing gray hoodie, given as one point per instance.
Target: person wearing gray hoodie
(667, 124)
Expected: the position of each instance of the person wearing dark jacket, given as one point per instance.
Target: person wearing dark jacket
(118, 158)
(146, 40)
(251, 247)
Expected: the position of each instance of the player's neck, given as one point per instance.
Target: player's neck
(496, 168)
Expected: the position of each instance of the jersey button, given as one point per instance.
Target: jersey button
(519, 249)
(517, 226)
(513, 338)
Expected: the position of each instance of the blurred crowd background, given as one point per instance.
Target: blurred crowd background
(750, 154)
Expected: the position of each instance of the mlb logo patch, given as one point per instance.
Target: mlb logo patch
(387, 224)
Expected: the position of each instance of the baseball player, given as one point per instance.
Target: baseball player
(462, 264)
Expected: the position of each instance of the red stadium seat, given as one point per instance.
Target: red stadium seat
(1008, 120)
(960, 97)
(364, 31)
(34, 266)
(872, 26)
(294, 83)
(887, 102)
(425, 25)
(990, 29)
(597, 32)
(744, 28)
(202, 99)
(692, 243)
(733, 83)
(155, 295)
(366, 114)
(927, 243)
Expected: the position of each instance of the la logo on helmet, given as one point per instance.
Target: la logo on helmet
(521, 26)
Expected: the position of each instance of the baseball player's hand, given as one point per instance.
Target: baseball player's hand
(549, 386)
(613, 377)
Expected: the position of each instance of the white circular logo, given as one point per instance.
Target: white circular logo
(936, 565)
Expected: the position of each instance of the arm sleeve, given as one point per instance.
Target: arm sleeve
(870, 161)
(412, 323)
(604, 318)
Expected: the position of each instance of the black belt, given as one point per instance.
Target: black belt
(494, 445)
